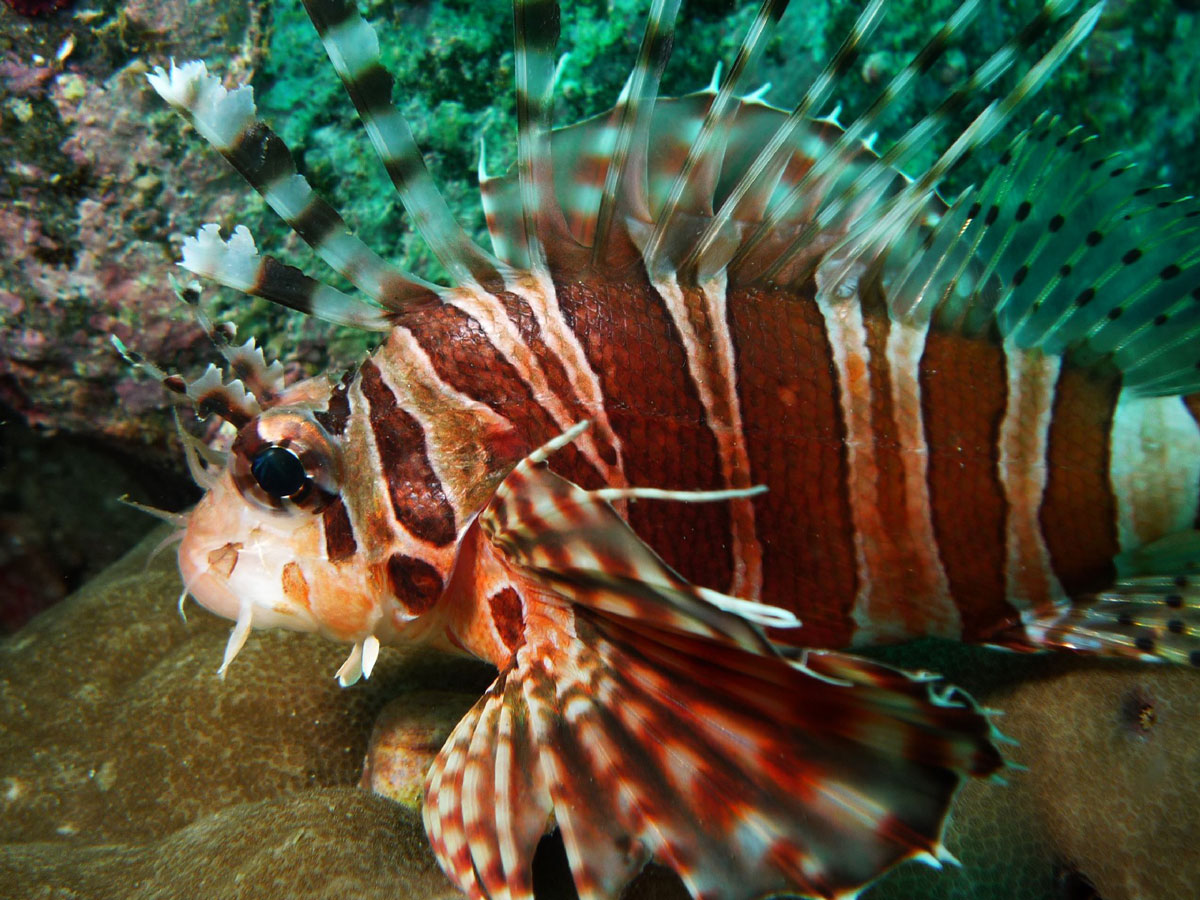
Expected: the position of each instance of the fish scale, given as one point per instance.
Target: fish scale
(730, 395)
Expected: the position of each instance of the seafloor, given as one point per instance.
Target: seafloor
(126, 769)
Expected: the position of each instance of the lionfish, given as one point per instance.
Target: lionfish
(729, 395)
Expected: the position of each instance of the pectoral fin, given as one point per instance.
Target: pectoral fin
(747, 774)
(647, 718)
(573, 543)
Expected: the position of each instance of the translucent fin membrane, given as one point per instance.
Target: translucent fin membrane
(842, 195)
(747, 200)
(901, 213)
(1058, 250)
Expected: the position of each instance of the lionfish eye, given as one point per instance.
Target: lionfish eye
(278, 471)
(284, 461)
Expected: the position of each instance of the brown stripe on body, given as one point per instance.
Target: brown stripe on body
(418, 500)
(340, 542)
(963, 391)
(795, 438)
(1078, 514)
(522, 316)
(465, 360)
(631, 344)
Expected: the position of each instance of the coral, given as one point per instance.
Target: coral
(132, 763)
(329, 842)
(406, 737)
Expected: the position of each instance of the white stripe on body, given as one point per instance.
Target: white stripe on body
(708, 348)
(1154, 468)
(1024, 441)
(903, 589)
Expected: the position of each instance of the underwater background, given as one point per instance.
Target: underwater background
(125, 768)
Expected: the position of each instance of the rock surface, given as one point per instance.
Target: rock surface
(128, 769)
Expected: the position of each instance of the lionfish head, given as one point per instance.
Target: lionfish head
(269, 544)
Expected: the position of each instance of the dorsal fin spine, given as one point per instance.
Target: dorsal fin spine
(228, 120)
(236, 263)
(768, 166)
(353, 48)
(636, 105)
(536, 27)
(902, 210)
(881, 171)
(710, 140)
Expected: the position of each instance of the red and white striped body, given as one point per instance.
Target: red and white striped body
(918, 483)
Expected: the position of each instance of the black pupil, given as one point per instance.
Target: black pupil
(278, 471)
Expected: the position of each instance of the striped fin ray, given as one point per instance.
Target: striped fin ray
(536, 26)
(236, 263)
(628, 157)
(1059, 252)
(209, 393)
(353, 48)
(486, 803)
(644, 742)
(691, 193)
(227, 120)
(246, 361)
(841, 198)
(748, 199)
(874, 232)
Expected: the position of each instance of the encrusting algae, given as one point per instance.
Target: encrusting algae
(728, 397)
